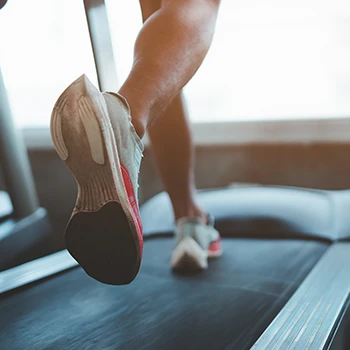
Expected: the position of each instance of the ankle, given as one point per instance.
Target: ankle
(140, 128)
(191, 212)
(138, 110)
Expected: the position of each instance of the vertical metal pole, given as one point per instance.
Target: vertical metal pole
(14, 162)
(101, 41)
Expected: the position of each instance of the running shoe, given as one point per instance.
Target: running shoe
(93, 134)
(195, 242)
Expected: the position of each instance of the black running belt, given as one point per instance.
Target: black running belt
(227, 307)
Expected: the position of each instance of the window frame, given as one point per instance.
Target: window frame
(240, 133)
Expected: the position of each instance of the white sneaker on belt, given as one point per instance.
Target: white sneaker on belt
(195, 242)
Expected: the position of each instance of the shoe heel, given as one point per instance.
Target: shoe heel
(78, 139)
(189, 256)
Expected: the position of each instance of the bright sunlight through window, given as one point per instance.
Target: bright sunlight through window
(44, 46)
(273, 59)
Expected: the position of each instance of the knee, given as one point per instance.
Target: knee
(196, 14)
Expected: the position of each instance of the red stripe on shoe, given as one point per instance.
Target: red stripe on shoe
(133, 203)
(215, 246)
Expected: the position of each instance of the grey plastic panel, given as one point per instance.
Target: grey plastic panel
(25, 239)
(35, 270)
(262, 212)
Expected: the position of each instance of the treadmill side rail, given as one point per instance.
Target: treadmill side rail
(35, 270)
(309, 318)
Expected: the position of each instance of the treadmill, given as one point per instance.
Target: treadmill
(25, 230)
(282, 283)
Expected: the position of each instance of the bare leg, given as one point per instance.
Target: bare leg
(168, 51)
(173, 148)
(174, 152)
(86, 125)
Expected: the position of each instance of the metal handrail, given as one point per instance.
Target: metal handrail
(14, 162)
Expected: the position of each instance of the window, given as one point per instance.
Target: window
(44, 46)
(272, 59)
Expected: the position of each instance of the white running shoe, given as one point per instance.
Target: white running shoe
(195, 242)
(93, 134)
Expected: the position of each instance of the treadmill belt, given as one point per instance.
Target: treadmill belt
(227, 307)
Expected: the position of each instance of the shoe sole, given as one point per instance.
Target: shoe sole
(104, 233)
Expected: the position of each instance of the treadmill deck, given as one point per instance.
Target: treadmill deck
(227, 307)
